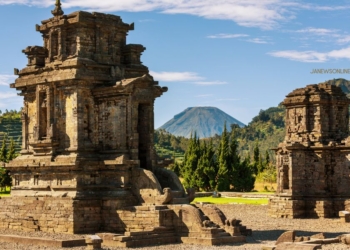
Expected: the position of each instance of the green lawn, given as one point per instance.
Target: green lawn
(221, 200)
(6, 193)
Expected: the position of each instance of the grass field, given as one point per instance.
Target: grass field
(6, 193)
(264, 186)
(222, 200)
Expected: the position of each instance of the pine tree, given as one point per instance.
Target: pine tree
(5, 179)
(223, 178)
(211, 166)
(261, 165)
(244, 179)
(256, 158)
(267, 159)
(3, 150)
(233, 155)
(190, 163)
(11, 154)
(176, 168)
(202, 181)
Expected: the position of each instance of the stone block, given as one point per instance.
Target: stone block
(93, 242)
(344, 216)
(288, 236)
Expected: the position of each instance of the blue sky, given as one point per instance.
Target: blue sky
(238, 55)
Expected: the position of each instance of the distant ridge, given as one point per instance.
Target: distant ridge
(342, 83)
(205, 121)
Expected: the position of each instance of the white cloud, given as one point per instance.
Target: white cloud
(175, 76)
(312, 56)
(223, 35)
(6, 95)
(257, 40)
(265, 14)
(318, 31)
(205, 95)
(5, 80)
(344, 39)
(250, 13)
(228, 99)
(316, 7)
(210, 83)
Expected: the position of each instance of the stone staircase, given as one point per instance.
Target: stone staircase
(178, 197)
(167, 224)
(155, 236)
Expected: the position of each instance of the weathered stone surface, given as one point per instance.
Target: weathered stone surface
(297, 246)
(313, 160)
(288, 236)
(317, 236)
(344, 216)
(41, 241)
(88, 162)
(268, 248)
(93, 242)
(345, 238)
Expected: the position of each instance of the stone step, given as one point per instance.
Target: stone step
(180, 201)
(143, 242)
(247, 232)
(222, 234)
(213, 241)
(143, 235)
(158, 236)
(177, 194)
(151, 241)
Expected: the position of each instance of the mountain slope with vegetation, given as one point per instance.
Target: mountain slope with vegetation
(205, 121)
(11, 128)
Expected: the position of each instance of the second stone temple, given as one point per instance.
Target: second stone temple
(313, 166)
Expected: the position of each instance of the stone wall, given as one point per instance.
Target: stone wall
(313, 166)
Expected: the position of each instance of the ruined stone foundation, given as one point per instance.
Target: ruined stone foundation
(313, 167)
(87, 162)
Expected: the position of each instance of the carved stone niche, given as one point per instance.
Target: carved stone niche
(36, 55)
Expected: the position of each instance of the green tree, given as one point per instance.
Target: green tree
(223, 176)
(244, 178)
(202, 180)
(5, 156)
(3, 150)
(190, 163)
(267, 158)
(256, 158)
(210, 166)
(261, 165)
(176, 168)
(11, 154)
(234, 156)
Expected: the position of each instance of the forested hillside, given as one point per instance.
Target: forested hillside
(11, 127)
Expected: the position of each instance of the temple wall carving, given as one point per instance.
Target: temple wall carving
(313, 160)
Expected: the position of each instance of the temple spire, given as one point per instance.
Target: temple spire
(58, 10)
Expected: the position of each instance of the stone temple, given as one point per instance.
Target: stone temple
(87, 163)
(313, 162)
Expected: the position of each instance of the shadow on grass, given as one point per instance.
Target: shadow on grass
(5, 193)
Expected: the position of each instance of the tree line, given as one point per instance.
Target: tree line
(6, 155)
(219, 167)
